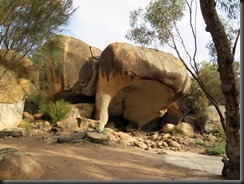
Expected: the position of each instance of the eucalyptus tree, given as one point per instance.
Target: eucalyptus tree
(157, 25)
(26, 24)
(229, 87)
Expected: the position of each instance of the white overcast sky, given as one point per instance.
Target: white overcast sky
(101, 22)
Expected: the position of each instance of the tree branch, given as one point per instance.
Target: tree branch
(235, 44)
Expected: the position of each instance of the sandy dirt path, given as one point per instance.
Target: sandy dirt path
(92, 161)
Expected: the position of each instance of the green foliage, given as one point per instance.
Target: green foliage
(200, 143)
(35, 99)
(210, 77)
(56, 111)
(156, 23)
(217, 149)
(232, 8)
(27, 126)
(196, 100)
(24, 25)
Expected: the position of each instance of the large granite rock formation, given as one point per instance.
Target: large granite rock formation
(11, 99)
(71, 67)
(138, 83)
(17, 79)
(21, 66)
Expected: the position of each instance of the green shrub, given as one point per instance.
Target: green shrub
(217, 149)
(56, 111)
(34, 100)
(27, 126)
(200, 143)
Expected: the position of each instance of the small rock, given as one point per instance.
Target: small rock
(168, 127)
(173, 144)
(166, 136)
(13, 132)
(97, 137)
(154, 137)
(159, 143)
(37, 116)
(165, 144)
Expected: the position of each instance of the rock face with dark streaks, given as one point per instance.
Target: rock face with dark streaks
(71, 67)
(138, 83)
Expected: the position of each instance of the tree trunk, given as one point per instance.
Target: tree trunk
(231, 93)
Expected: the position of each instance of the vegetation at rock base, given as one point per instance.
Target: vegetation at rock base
(56, 111)
(217, 149)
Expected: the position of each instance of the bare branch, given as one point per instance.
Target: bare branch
(236, 41)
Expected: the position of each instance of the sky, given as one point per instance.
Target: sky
(101, 22)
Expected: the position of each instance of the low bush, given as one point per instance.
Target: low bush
(56, 111)
(217, 149)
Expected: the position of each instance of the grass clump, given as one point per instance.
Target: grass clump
(217, 149)
(56, 111)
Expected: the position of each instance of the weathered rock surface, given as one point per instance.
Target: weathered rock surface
(208, 120)
(21, 66)
(97, 137)
(168, 127)
(71, 67)
(17, 165)
(185, 128)
(13, 132)
(18, 78)
(79, 117)
(75, 137)
(173, 114)
(11, 100)
(138, 83)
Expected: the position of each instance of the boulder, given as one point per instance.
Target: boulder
(167, 128)
(190, 119)
(11, 99)
(208, 120)
(185, 128)
(13, 132)
(79, 117)
(21, 66)
(82, 110)
(138, 83)
(18, 78)
(173, 114)
(71, 67)
(17, 165)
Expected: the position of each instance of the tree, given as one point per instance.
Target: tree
(225, 59)
(25, 25)
(210, 77)
(159, 24)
